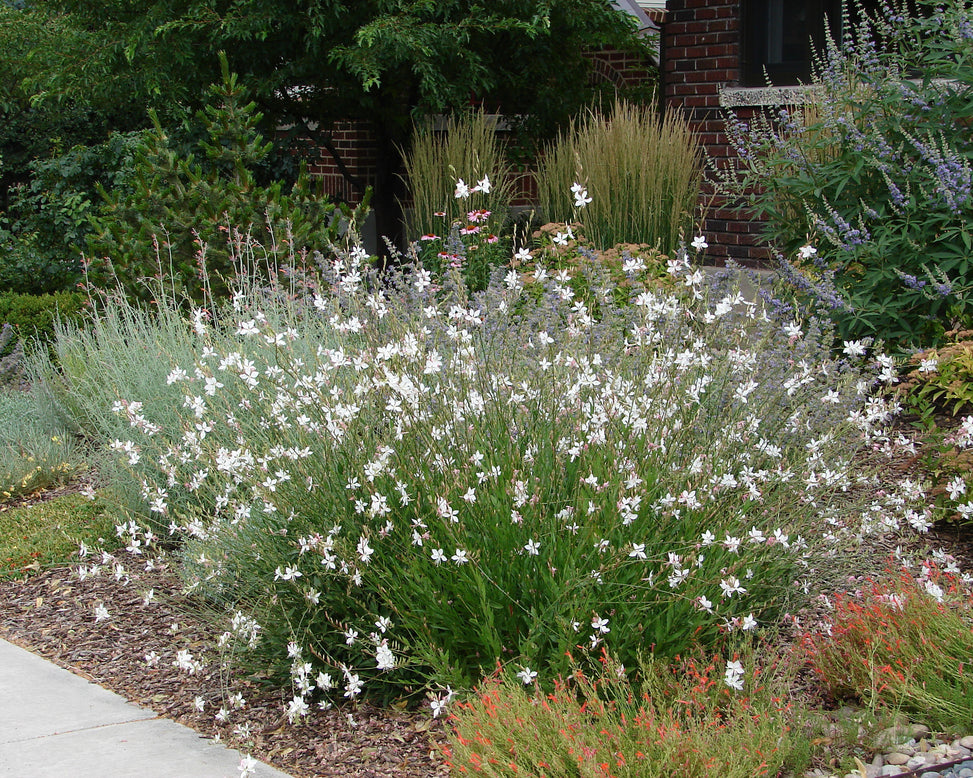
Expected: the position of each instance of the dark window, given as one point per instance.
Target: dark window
(778, 36)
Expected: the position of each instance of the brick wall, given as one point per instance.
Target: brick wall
(701, 54)
(355, 145)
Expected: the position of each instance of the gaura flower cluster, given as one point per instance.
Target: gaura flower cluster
(393, 484)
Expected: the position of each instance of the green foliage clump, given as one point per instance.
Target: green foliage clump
(941, 379)
(49, 533)
(902, 643)
(35, 451)
(875, 173)
(202, 213)
(642, 173)
(937, 386)
(33, 317)
(678, 718)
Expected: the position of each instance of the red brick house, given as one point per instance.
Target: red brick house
(717, 55)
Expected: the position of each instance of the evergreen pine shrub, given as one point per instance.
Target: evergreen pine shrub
(203, 212)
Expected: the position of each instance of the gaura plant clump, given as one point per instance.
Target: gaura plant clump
(392, 485)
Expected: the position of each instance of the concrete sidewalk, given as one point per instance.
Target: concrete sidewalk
(54, 724)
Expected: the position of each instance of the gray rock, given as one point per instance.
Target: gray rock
(899, 735)
(896, 757)
(966, 742)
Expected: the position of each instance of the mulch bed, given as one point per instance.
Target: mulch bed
(52, 614)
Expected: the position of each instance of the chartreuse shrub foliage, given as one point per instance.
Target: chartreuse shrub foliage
(875, 175)
(936, 391)
(29, 320)
(642, 172)
(189, 219)
(394, 486)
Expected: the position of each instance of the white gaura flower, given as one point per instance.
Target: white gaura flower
(699, 243)
(527, 676)
(101, 612)
(581, 198)
(731, 586)
(484, 185)
(287, 574)
(438, 704)
(296, 710)
(733, 675)
(806, 252)
(365, 551)
(462, 190)
(532, 547)
(248, 766)
(248, 328)
(460, 557)
(384, 658)
(854, 348)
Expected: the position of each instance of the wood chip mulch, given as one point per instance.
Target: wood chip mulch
(52, 614)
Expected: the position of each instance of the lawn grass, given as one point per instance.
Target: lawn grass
(49, 533)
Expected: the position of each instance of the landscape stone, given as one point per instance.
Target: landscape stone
(901, 734)
(896, 757)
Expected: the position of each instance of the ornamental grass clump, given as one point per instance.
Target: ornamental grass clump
(467, 149)
(903, 643)
(392, 484)
(643, 172)
(35, 451)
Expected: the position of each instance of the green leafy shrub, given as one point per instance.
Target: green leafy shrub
(33, 317)
(876, 176)
(49, 217)
(202, 212)
(643, 174)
